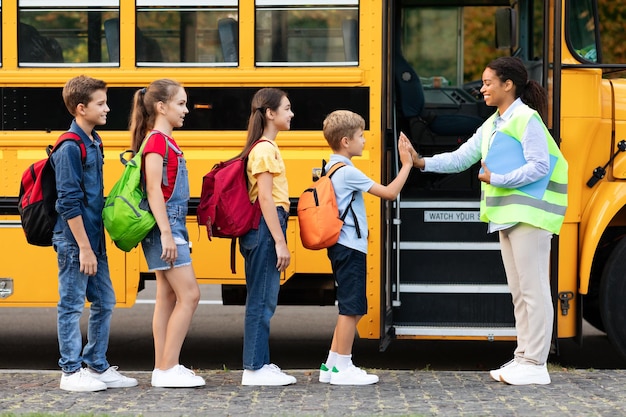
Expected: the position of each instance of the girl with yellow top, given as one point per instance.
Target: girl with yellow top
(265, 248)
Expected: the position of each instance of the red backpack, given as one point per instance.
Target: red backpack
(38, 194)
(225, 208)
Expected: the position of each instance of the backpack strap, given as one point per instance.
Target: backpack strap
(168, 144)
(74, 137)
(71, 136)
(233, 241)
(330, 174)
(233, 244)
(356, 222)
(245, 156)
(167, 148)
(333, 169)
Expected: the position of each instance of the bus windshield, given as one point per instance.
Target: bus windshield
(454, 61)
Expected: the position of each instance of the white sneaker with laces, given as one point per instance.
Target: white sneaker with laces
(113, 379)
(526, 374)
(81, 381)
(269, 375)
(352, 376)
(495, 373)
(324, 374)
(176, 377)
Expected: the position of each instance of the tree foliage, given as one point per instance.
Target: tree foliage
(612, 35)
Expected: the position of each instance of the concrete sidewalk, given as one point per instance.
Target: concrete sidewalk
(400, 393)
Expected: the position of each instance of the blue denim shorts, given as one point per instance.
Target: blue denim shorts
(152, 249)
(349, 270)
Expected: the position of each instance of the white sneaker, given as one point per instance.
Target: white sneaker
(81, 381)
(324, 374)
(526, 374)
(352, 376)
(155, 376)
(495, 373)
(176, 377)
(113, 379)
(270, 375)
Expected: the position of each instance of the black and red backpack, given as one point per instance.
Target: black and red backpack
(38, 194)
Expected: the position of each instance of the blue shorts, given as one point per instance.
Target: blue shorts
(152, 249)
(349, 270)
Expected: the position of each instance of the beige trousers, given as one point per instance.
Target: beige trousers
(526, 256)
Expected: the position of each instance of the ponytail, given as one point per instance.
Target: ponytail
(264, 99)
(138, 120)
(143, 114)
(534, 95)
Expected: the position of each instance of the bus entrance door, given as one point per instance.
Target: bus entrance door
(451, 278)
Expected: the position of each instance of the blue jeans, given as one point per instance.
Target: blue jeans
(262, 285)
(74, 287)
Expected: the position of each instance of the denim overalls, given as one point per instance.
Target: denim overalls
(176, 207)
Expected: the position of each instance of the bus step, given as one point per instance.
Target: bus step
(460, 267)
(448, 246)
(453, 223)
(465, 305)
(455, 288)
(454, 331)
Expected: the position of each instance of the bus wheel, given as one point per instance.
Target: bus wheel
(612, 294)
(591, 305)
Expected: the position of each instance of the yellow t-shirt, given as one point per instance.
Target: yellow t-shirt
(265, 157)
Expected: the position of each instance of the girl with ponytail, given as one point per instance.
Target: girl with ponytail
(265, 249)
(157, 110)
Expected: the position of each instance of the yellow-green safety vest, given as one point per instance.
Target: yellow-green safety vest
(510, 205)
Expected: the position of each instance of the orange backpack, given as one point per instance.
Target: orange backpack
(318, 214)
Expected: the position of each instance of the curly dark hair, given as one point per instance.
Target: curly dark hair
(530, 91)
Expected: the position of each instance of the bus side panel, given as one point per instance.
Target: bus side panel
(34, 271)
(32, 268)
(568, 280)
(585, 131)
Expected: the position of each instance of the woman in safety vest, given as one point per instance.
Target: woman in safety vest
(523, 198)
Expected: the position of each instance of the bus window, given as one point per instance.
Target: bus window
(63, 33)
(317, 32)
(455, 61)
(611, 32)
(200, 32)
(581, 28)
(441, 63)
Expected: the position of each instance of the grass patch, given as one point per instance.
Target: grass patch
(557, 367)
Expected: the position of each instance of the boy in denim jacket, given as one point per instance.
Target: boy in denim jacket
(78, 240)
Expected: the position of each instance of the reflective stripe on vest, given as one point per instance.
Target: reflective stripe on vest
(509, 205)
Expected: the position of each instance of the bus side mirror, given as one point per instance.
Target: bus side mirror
(506, 28)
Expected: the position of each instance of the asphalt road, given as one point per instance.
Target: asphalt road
(300, 337)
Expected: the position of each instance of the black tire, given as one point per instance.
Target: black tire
(612, 295)
(591, 303)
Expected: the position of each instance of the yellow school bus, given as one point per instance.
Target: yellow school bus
(404, 65)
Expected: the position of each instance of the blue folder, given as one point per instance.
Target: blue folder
(506, 154)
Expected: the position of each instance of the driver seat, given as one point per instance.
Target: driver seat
(426, 126)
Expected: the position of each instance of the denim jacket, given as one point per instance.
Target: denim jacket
(76, 186)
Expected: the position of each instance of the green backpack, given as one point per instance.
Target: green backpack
(126, 212)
